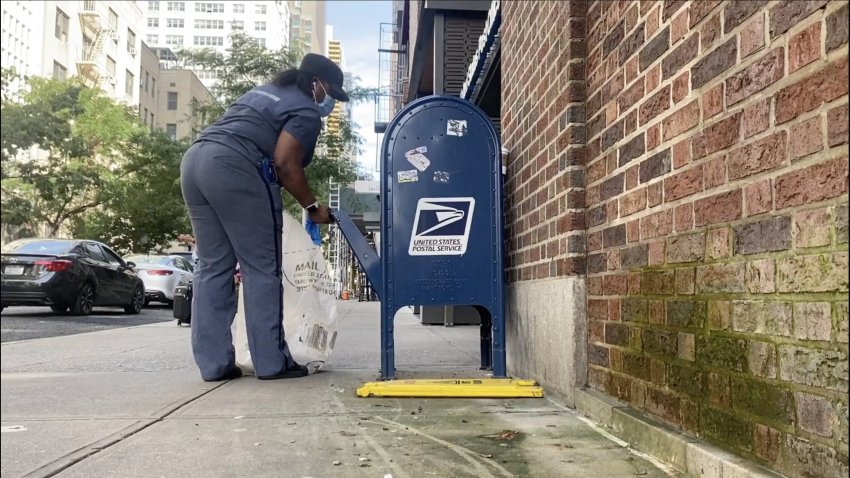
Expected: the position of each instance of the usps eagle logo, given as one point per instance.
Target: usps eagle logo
(441, 226)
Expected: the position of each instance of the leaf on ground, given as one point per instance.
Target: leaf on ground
(507, 435)
(347, 434)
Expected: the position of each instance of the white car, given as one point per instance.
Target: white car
(161, 273)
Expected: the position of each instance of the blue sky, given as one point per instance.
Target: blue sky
(357, 25)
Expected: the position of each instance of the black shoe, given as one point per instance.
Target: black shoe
(233, 373)
(294, 371)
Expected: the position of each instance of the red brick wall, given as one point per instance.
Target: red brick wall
(717, 179)
(543, 126)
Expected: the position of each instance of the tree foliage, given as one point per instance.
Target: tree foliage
(247, 65)
(60, 143)
(76, 160)
(146, 210)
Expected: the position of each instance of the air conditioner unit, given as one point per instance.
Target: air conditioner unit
(132, 50)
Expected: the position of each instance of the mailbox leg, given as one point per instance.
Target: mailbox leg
(387, 343)
(499, 361)
(486, 338)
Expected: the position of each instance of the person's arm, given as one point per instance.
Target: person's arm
(288, 160)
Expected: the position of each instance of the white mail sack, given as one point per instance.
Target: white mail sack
(309, 303)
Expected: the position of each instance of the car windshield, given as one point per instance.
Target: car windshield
(48, 247)
(148, 259)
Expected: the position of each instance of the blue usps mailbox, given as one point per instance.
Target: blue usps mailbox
(442, 221)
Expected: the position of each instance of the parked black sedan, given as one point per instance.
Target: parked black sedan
(68, 274)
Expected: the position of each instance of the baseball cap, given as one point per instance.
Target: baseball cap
(324, 68)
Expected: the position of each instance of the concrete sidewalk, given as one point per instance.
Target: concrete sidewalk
(129, 402)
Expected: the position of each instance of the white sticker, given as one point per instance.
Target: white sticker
(442, 177)
(421, 149)
(419, 161)
(408, 176)
(456, 127)
(441, 226)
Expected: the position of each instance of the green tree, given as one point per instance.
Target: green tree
(60, 145)
(145, 211)
(247, 65)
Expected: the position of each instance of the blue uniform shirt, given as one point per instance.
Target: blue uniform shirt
(253, 123)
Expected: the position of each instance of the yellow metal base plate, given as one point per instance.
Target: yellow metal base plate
(453, 388)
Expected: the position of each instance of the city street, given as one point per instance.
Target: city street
(24, 323)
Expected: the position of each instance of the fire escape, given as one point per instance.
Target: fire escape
(392, 75)
(91, 65)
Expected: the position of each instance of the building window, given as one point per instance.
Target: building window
(260, 26)
(171, 130)
(147, 80)
(261, 42)
(113, 19)
(172, 100)
(260, 9)
(209, 24)
(209, 41)
(110, 67)
(176, 6)
(174, 40)
(152, 40)
(145, 116)
(131, 41)
(59, 72)
(238, 8)
(61, 25)
(153, 22)
(153, 6)
(237, 25)
(153, 88)
(153, 122)
(131, 81)
(175, 23)
(209, 7)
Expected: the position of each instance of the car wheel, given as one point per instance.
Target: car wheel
(136, 302)
(59, 309)
(84, 302)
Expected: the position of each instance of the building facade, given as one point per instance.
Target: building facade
(676, 212)
(21, 39)
(96, 40)
(194, 25)
(307, 25)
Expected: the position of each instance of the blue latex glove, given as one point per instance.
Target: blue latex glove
(313, 230)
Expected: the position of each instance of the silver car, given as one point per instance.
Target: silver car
(161, 273)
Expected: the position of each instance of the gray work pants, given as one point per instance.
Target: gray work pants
(236, 216)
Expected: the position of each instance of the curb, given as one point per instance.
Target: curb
(682, 452)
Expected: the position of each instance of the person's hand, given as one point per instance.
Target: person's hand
(322, 215)
(187, 238)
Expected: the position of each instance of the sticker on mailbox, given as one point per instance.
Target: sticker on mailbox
(441, 226)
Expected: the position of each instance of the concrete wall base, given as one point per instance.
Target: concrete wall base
(546, 329)
(682, 452)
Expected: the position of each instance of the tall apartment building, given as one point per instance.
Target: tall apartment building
(192, 24)
(308, 25)
(21, 39)
(334, 52)
(96, 40)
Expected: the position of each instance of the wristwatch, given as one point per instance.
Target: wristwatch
(312, 207)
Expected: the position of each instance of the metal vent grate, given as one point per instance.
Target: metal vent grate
(461, 39)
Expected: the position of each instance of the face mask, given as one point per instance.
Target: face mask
(327, 105)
